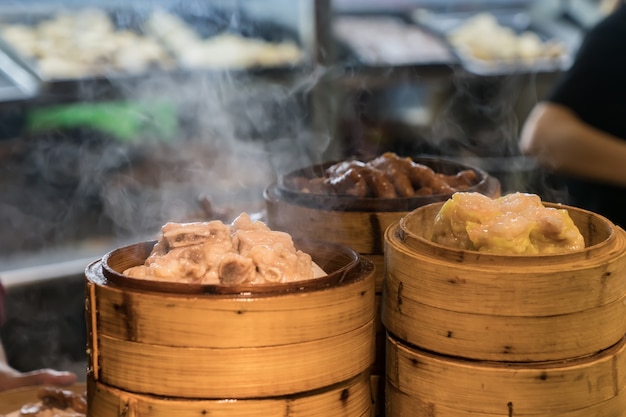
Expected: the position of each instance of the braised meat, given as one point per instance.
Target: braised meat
(387, 176)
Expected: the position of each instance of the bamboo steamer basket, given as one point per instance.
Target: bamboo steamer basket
(425, 384)
(348, 398)
(187, 342)
(505, 308)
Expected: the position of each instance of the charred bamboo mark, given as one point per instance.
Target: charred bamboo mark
(507, 349)
(399, 295)
(240, 312)
(124, 308)
(362, 293)
(616, 385)
(345, 394)
(377, 241)
(414, 362)
(457, 280)
(204, 412)
(510, 407)
(288, 408)
(400, 235)
(449, 333)
(543, 376)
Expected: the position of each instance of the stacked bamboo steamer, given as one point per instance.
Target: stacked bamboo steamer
(358, 223)
(170, 349)
(484, 335)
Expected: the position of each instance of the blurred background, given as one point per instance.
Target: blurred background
(116, 117)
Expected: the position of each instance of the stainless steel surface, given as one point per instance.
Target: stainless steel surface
(16, 82)
(519, 21)
(302, 22)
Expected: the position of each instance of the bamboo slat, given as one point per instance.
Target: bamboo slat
(508, 308)
(346, 399)
(507, 338)
(431, 384)
(231, 321)
(402, 405)
(235, 372)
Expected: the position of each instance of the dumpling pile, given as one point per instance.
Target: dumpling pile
(514, 224)
(243, 252)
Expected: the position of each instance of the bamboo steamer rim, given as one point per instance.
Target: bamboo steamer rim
(544, 388)
(352, 395)
(415, 238)
(342, 264)
(399, 403)
(615, 350)
(279, 190)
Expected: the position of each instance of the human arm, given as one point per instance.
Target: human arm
(11, 378)
(562, 142)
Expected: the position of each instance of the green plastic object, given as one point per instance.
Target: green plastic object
(128, 121)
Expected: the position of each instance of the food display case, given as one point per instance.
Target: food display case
(64, 45)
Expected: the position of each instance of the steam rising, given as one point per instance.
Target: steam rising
(236, 132)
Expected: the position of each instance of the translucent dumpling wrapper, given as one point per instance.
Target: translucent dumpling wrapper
(514, 224)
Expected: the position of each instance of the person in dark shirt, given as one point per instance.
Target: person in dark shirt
(12, 378)
(579, 131)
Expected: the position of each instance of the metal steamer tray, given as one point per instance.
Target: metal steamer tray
(24, 74)
(17, 82)
(386, 40)
(519, 21)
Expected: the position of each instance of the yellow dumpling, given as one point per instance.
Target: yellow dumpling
(514, 224)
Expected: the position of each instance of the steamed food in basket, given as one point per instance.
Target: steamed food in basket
(243, 252)
(514, 224)
(387, 176)
(51, 401)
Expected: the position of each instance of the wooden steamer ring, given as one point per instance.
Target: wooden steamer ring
(482, 335)
(505, 308)
(420, 383)
(153, 341)
(354, 396)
